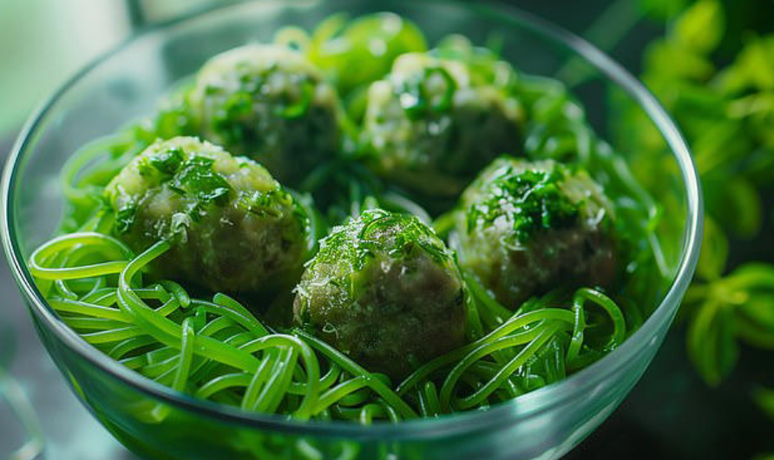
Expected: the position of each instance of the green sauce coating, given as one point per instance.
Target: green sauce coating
(232, 226)
(434, 121)
(525, 227)
(270, 103)
(385, 290)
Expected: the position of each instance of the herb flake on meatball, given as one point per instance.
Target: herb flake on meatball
(231, 226)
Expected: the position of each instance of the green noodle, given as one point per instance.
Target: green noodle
(268, 369)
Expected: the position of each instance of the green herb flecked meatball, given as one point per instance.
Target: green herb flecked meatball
(270, 103)
(385, 290)
(231, 225)
(524, 227)
(433, 122)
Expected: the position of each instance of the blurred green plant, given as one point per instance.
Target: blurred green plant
(765, 399)
(739, 306)
(726, 113)
(718, 84)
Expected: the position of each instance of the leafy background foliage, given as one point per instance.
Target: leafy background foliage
(713, 70)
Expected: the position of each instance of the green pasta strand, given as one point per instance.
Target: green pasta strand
(270, 365)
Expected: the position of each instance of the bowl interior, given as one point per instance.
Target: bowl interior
(128, 82)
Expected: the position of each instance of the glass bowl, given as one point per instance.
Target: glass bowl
(127, 82)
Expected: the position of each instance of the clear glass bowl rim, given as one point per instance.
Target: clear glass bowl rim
(525, 407)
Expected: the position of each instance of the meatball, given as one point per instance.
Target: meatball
(270, 103)
(385, 290)
(524, 227)
(231, 226)
(431, 124)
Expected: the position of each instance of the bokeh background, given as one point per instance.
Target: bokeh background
(671, 414)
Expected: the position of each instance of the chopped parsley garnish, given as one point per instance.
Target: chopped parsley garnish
(192, 178)
(418, 98)
(125, 216)
(266, 204)
(226, 119)
(298, 108)
(398, 235)
(167, 161)
(529, 200)
(230, 118)
(196, 178)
